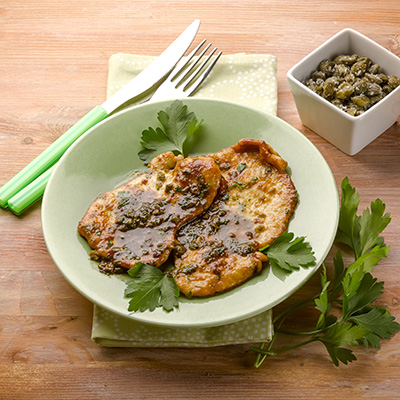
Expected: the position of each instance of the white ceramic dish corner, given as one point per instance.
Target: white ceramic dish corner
(349, 134)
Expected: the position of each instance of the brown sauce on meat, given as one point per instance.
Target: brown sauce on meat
(145, 220)
(221, 230)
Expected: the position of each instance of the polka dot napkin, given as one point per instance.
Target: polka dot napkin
(249, 79)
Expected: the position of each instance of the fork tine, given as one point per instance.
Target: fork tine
(192, 68)
(185, 62)
(196, 81)
(193, 75)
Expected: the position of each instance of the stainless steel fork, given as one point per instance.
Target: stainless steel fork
(188, 74)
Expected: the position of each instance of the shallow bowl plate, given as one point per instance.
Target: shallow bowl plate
(105, 157)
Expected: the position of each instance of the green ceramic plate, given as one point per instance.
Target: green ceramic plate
(107, 154)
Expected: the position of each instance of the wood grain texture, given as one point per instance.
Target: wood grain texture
(53, 69)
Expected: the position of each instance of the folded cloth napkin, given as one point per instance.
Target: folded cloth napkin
(249, 79)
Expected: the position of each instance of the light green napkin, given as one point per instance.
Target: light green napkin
(249, 79)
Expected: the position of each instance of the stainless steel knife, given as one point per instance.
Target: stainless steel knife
(150, 76)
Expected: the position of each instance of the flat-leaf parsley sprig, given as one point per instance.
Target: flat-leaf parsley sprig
(151, 288)
(178, 124)
(289, 253)
(352, 291)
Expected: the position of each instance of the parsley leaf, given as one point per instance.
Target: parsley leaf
(343, 334)
(361, 233)
(339, 354)
(348, 214)
(322, 303)
(372, 223)
(379, 323)
(367, 261)
(339, 335)
(178, 126)
(356, 297)
(339, 272)
(289, 254)
(150, 288)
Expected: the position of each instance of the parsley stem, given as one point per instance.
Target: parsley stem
(275, 352)
(262, 354)
(279, 320)
(260, 357)
(285, 332)
(283, 315)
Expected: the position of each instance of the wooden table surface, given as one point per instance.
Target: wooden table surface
(53, 69)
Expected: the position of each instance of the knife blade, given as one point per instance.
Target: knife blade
(149, 77)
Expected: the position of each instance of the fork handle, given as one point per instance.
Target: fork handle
(48, 157)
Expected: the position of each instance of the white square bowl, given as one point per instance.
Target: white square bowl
(349, 134)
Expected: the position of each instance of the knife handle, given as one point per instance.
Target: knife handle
(49, 156)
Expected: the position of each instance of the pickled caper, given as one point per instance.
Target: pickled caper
(350, 78)
(346, 59)
(373, 78)
(319, 84)
(359, 67)
(314, 86)
(373, 89)
(378, 97)
(374, 69)
(360, 86)
(387, 89)
(318, 75)
(362, 100)
(327, 67)
(330, 87)
(393, 81)
(352, 109)
(344, 91)
(341, 70)
(383, 77)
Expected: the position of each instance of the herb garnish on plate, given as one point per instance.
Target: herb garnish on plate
(150, 288)
(178, 126)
